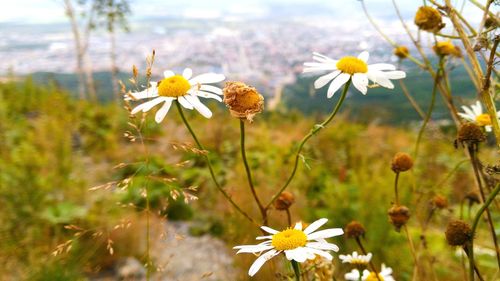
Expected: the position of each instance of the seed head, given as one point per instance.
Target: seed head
(401, 52)
(242, 100)
(440, 202)
(458, 233)
(470, 134)
(429, 19)
(354, 229)
(399, 215)
(473, 198)
(284, 201)
(401, 162)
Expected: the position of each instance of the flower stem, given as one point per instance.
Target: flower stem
(372, 266)
(249, 173)
(296, 269)
(209, 163)
(431, 106)
(313, 131)
(396, 188)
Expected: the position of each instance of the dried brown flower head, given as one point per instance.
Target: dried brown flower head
(458, 233)
(401, 162)
(470, 134)
(284, 201)
(399, 215)
(490, 22)
(440, 202)
(354, 229)
(401, 52)
(429, 19)
(242, 100)
(446, 48)
(473, 197)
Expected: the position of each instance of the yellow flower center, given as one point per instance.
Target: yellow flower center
(358, 261)
(289, 239)
(373, 277)
(352, 65)
(483, 119)
(174, 86)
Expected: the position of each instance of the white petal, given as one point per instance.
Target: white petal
(297, 254)
(269, 230)
(327, 233)
(207, 95)
(182, 100)
(257, 264)
(323, 80)
(160, 114)
(322, 58)
(323, 246)
(379, 78)
(320, 253)
(264, 237)
(212, 89)
(187, 73)
(150, 92)
(255, 249)
(168, 73)
(337, 83)
(478, 109)
(466, 116)
(381, 66)
(315, 225)
(360, 81)
(207, 78)
(353, 275)
(146, 106)
(488, 128)
(469, 112)
(200, 107)
(364, 56)
(395, 74)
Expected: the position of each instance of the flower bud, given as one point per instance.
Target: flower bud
(242, 100)
(401, 52)
(284, 201)
(399, 215)
(401, 162)
(458, 233)
(440, 202)
(446, 48)
(354, 229)
(429, 19)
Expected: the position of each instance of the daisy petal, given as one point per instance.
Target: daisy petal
(207, 78)
(323, 246)
(212, 89)
(298, 226)
(145, 107)
(323, 80)
(322, 58)
(187, 73)
(364, 56)
(320, 253)
(200, 107)
(327, 233)
(186, 104)
(160, 114)
(268, 230)
(395, 74)
(315, 225)
(168, 73)
(381, 66)
(338, 82)
(255, 249)
(257, 264)
(360, 81)
(207, 95)
(150, 92)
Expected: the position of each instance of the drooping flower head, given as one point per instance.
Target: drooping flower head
(475, 114)
(184, 88)
(296, 243)
(351, 68)
(242, 100)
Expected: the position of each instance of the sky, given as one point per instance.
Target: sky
(51, 11)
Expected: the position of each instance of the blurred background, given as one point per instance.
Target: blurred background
(73, 173)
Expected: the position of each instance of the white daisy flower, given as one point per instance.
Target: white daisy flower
(183, 88)
(356, 259)
(475, 114)
(384, 275)
(353, 275)
(297, 244)
(355, 69)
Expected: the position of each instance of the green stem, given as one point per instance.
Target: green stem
(210, 168)
(431, 106)
(296, 269)
(249, 173)
(313, 131)
(396, 188)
